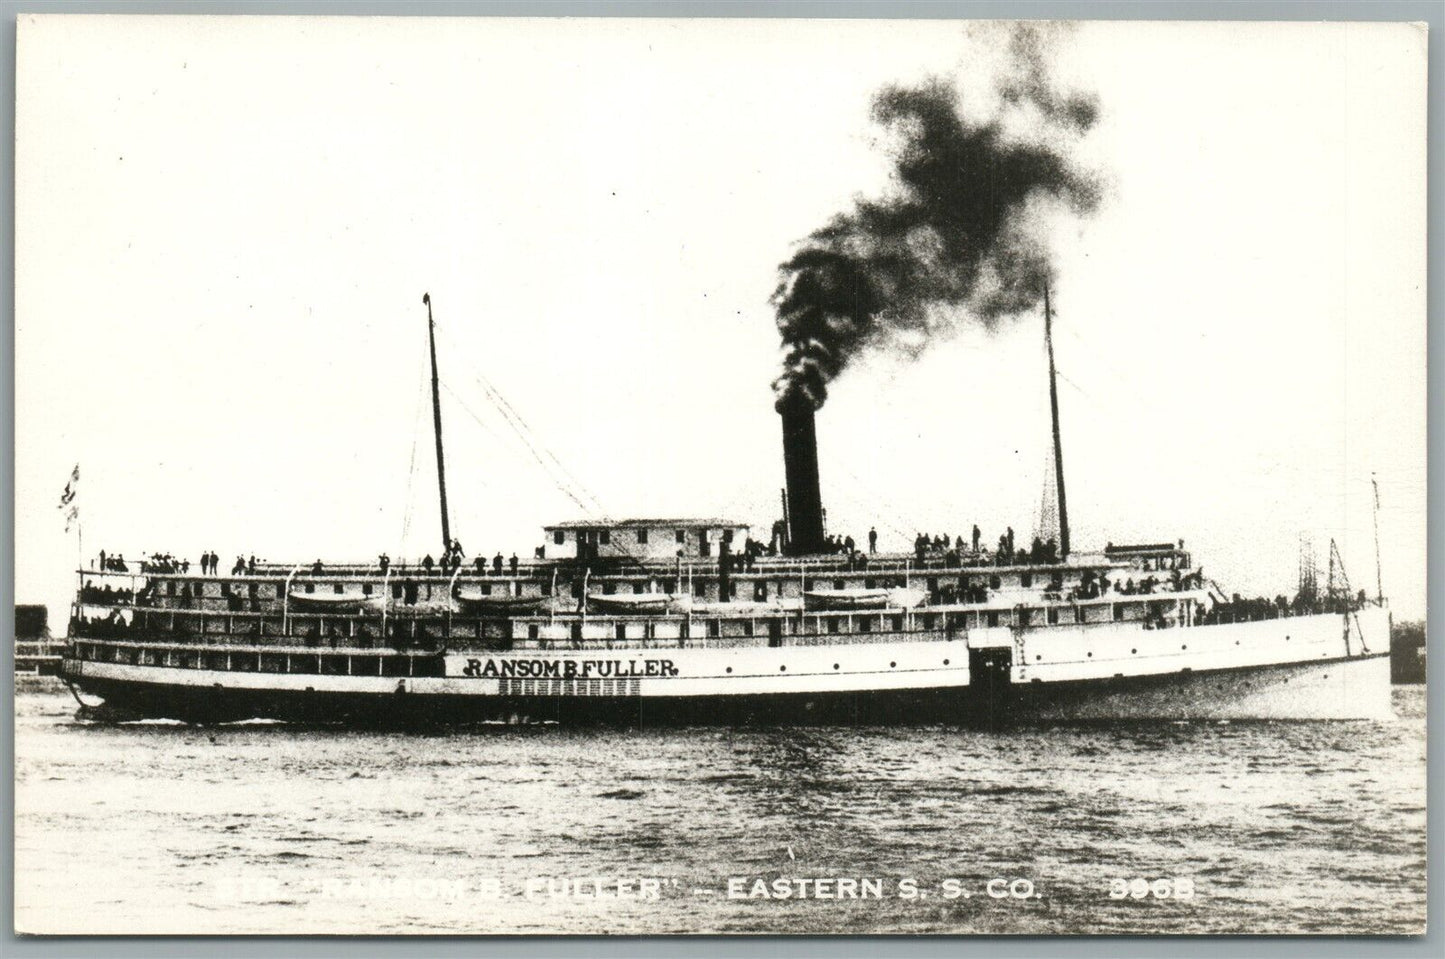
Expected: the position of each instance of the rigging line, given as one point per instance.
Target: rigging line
(519, 424)
(563, 487)
(873, 501)
(411, 469)
(869, 508)
(1098, 357)
(573, 494)
(533, 441)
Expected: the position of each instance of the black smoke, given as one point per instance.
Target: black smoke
(958, 240)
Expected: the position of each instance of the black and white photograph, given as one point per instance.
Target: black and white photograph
(502, 476)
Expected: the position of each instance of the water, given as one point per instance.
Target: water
(159, 828)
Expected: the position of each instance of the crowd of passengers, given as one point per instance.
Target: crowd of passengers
(105, 595)
(958, 553)
(1244, 610)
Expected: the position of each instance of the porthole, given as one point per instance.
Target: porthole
(945, 662)
(1133, 650)
(730, 669)
(1185, 646)
(782, 669)
(1037, 657)
(892, 665)
(835, 665)
(1090, 655)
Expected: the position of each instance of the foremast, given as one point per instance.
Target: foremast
(436, 409)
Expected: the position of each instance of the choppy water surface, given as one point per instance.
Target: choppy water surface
(1302, 827)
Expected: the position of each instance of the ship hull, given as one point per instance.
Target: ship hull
(1350, 688)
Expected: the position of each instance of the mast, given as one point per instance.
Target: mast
(1058, 444)
(1379, 586)
(436, 410)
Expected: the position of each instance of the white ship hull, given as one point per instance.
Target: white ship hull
(1308, 667)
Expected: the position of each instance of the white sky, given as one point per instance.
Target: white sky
(224, 228)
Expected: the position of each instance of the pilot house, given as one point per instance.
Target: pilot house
(644, 539)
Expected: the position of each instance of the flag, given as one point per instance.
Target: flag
(67, 498)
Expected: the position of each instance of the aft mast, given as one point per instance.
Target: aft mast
(436, 409)
(1058, 443)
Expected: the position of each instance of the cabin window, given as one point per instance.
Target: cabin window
(310, 587)
(832, 624)
(760, 591)
(929, 620)
(1024, 616)
(748, 629)
(682, 536)
(865, 624)
(396, 591)
(532, 631)
(642, 537)
(837, 584)
(608, 589)
(606, 537)
(366, 589)
(337, 589)
(637, 589)
(253, 590)
(699, 588)
(994, 582)
(559, 537)
(992, 617)
(1118, 613)
(713, 628)
(486, 589)
(1053, 617)
(621, 631)
(1026, 580)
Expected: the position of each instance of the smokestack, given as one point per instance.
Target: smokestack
(800, 462)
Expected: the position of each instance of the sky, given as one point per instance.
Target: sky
(224, 228)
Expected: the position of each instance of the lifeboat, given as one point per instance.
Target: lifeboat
(345, 602)
(480, 604)
(851, 599)
(632, 603)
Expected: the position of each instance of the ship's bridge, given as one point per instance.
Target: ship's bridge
(643, 539)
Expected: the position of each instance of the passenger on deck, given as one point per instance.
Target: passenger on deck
(481, 564)
(497, 564)
(427, 563)
(251, 565)
(513, 562)
(316, 568)
(976, 535)
(873, 539)
(384, 561)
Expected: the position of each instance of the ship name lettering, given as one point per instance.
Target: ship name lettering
(568, 668)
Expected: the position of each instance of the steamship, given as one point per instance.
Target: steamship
(654, 621)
